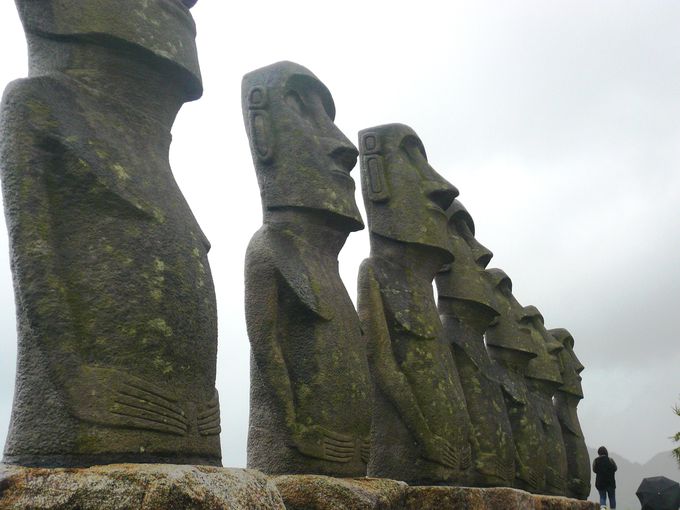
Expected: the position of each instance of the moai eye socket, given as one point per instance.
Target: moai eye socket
(414, 149)
(295, 102)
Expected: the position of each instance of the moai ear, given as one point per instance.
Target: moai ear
(374, 168)
(259, 125)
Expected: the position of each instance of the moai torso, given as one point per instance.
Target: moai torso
(310, 388)
(510, 345)
(543, 378)
(115, 301)
(420, 430)
(567, 398)
(466, 307)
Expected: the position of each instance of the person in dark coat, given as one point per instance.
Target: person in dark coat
(605, 483)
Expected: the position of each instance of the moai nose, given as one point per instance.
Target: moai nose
(189, 3)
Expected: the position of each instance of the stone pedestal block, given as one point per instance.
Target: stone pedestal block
(137, 487)
(179, 487)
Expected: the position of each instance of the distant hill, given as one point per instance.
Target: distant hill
(630, 474)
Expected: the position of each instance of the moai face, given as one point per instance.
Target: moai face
(301, 158)
(165, 28)
(570, 366)
(508, 339)
(465, 278)
(544, 367)
(405, 197)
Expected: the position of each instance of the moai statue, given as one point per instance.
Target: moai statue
(466, 307)
(567, 398)
(310, 408)
(421, 429)
(115, 302)
(543, 378)
(510, 345)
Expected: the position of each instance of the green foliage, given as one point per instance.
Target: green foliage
(676, 438)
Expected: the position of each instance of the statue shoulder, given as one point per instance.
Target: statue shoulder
(274, 253)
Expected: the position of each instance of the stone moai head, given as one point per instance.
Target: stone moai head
(545, 366)
(301, 158)
(570, 366)
(163, 30)
(406, 199)
(508, 338)
(465, 278)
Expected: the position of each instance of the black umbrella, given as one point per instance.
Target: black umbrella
(659, 493)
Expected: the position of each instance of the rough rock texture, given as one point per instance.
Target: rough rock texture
(136, 487)
(320, 492)
(466, 498)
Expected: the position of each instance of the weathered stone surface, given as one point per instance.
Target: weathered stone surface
(421, 429)
(136, 487)
(465, 498)
(310, 395)
(466, 307)
(116, 309)
(321, 493)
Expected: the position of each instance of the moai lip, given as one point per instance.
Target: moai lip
(310, 390)
(421, 429)
(116, 308)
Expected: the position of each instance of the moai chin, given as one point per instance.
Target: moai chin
(567, 398)
(510, 345)
(466, 308)
(310, 388)
(420, 431)
(543, 379)
(115, 302)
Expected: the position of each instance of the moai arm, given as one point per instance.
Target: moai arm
(389, 378)
(262, 316)
(38, 172)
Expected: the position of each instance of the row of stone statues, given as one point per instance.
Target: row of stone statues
(407, 388)
(116, 308)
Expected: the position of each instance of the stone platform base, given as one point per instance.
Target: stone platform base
(175, 487)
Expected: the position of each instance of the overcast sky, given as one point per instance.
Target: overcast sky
(559, 122)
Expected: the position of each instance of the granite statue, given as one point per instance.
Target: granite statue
(510, 344)
(567, 398)
(543, 378)
(466, 308)
(421, 429)
(117, 326)
(310, 409)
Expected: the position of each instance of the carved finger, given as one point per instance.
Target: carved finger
(329, 440)
(214, 411)
(336, 436)
(213, 431)
(150, 396)
(209, 424)
(131, 421)
(209, 417)
(152, 408)
(150, 417)
(337, 458)
(339, 449)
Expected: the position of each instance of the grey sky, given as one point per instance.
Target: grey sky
(559, 121)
